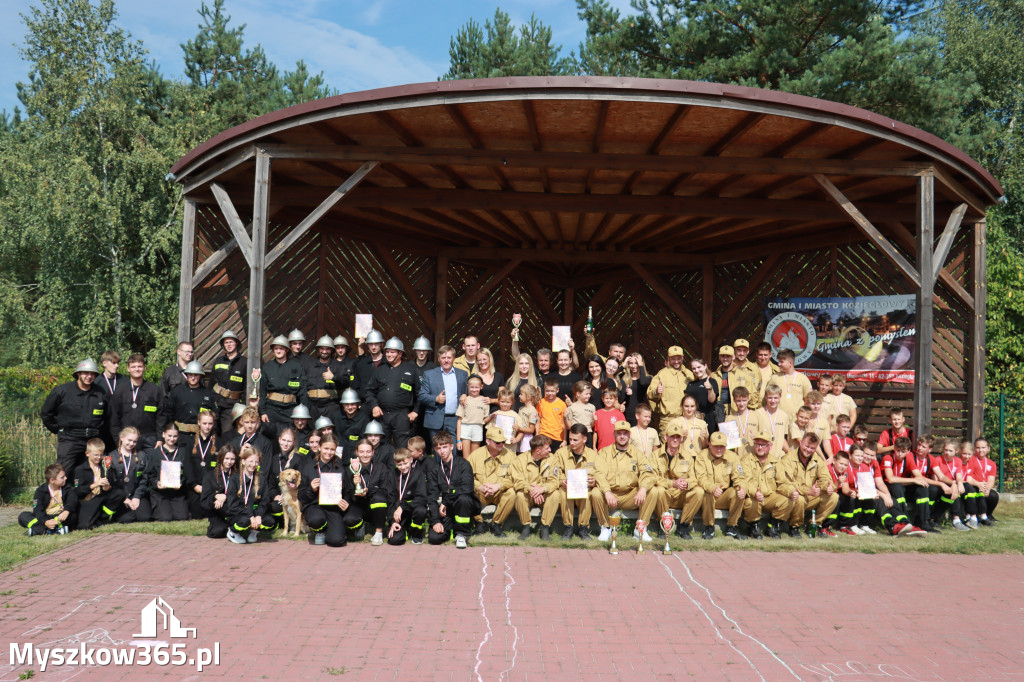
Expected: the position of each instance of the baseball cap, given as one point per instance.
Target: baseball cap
(725, 350)
(718, 438)
(741, 343)
(675, 350)
(622, 425)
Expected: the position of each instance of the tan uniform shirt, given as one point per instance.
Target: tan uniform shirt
(748, 424)
(580, 413)
(794, 387)
(618, 472)
(758, 475)
(565, 460)
(474, 411)
(693, 431)
(740, 376)
(527, 473)
(724, 471)
(669, 403)
(791, 474)
(492, 469)
(645, 441)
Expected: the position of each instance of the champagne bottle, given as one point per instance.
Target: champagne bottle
(814, 524)
(590, 320)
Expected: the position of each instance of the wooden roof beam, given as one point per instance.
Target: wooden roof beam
(571, 256)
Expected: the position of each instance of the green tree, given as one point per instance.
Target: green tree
(241, 83)
(88, 227)
(852, 51)
(499, 49)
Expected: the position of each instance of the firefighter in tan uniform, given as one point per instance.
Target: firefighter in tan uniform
(492, 479)
(576, 455)
(731, 375)
(803, 477)
(773, 420)
(670, 469)
(618, 483)
(720, 474)
(535, 479)
(667, 389)
(760, 470)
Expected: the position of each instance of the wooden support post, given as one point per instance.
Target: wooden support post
(321, 287)
(188, 261)
(708, 308)
(925, 305)
(976, 341)
(403, 283)
(257, 267)
(234, 222)
(668, 297)
(441, 303)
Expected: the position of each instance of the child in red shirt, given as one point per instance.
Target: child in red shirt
(947, 470)
(897, 429)
(606, 417)
(904, 486)
(840, 440)
(979, 482)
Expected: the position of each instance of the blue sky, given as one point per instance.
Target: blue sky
(358, 44)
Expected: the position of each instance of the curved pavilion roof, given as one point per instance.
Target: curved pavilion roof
(586, 163)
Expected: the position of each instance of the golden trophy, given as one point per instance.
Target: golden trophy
(355, 467)
(667, 522)
(641, 528)
(614, 520)
(517, 320)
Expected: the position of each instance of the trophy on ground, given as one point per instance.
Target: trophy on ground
(667, 523)
(614, 520)
(517, 320)
(355, 467)
(641, 528)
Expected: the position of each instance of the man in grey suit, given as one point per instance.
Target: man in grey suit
(440, 390)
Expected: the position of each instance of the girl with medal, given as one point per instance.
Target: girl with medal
(371, 500)
(695, 429)
(127, 466)
(169, 504)
(704, 390)
(215, 489)
(328, 521)
(247, 498)
(203, 457)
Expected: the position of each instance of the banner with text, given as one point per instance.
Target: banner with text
(868, 338)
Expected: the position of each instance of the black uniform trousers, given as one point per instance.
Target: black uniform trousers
(225, 427)
(218, 525)
(414, 519)
(100, 508)
(946, 503)
(70, 453)
(242, 522)
(902, 499)
(36, 527)
(141, 515)
(332, 521)
(457, 521)
(397, 428)
(325, 407)
(921, 499)
(977, 503)
(280, 415)
(169, 505)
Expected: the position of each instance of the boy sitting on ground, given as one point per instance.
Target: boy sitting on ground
(54, 505)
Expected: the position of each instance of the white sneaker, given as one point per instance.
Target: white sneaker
(63, 530)
(857, 530)
(460, 542)
(606, 534)
(377, 540)
(320, 539)
(973, 523)
(647, 538)
(959, 525)
(235, 537)
(868, 530)
(254, 535)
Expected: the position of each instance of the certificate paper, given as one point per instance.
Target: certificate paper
(170, 474)
(576, 484)
(330, 488)
(505, 423)
(866, 485)
(364, 325)
(560, 338)
(732, 434)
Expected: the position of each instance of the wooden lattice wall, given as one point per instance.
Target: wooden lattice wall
(323, 281)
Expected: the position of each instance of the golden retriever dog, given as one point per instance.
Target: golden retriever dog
(289, 481)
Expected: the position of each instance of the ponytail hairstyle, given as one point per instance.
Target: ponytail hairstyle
(247, 452)
(213, 434)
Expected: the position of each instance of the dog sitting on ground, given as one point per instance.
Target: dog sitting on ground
(289, 481)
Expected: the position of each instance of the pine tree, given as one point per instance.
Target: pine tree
(499, 49)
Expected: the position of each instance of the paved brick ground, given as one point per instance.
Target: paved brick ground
(288, 611)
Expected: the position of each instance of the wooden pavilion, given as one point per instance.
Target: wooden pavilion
(674, 208)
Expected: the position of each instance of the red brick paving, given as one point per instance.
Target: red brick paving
(290, 611)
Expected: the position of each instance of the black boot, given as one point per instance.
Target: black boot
(683, 531)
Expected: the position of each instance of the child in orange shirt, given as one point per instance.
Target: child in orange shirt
(551, 410)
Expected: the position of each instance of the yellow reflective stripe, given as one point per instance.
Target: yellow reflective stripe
(461, 519)
(293, 384)
(406, 387)
(222, 366)
(378, 505)
(149, 408)
(239, 379)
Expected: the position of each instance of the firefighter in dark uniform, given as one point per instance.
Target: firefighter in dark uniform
(227, 380)
(393, 394)
(128, 468)
(422, 350)
(296, 342)
(349, 428)
(175, 374)
(108, 382)
(76, 412)
(325, 382)
(347, 361)
(136, 403)
(328, 522)
(451, 499)
(282, 386)
(185, 403)
(367, 364)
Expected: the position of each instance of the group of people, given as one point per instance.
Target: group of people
(376, 444)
